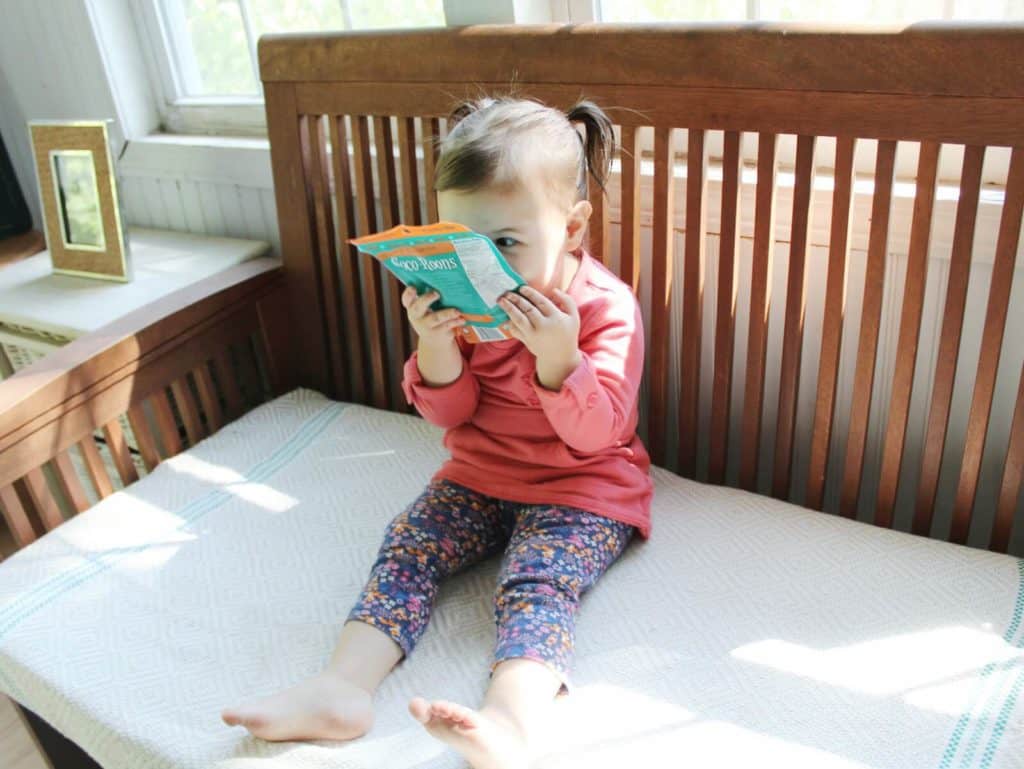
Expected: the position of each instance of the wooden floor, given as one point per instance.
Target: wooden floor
(18, 749)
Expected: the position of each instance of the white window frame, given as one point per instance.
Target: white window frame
(183, 114)
(244, 115)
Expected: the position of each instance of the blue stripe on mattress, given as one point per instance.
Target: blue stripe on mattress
(27, 604)
(1006, 674)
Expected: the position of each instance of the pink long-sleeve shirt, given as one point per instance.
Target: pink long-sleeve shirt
(512, 438)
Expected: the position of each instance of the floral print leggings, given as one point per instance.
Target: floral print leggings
(553, 554)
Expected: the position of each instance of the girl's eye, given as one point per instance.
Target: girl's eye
(498, 242)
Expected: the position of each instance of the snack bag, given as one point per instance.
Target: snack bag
(463, 266)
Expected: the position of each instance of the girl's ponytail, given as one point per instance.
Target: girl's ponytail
(600, 142)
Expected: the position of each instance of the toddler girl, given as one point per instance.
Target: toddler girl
(545, 462)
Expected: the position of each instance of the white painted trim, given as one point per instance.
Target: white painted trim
(121, 52)
(152, 36)
(215, 159)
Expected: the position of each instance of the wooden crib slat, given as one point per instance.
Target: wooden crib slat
(69, 481)
(949, 340)
(166, 426)
(725, 320)
(318, 172)
(793, 329)
(261, 366)
(16, 517)
(693, 299)
(760, 291)
(429, 127)
(832, 325)
(870, 321)
(1013, 473)
(42, 499)
(661, 289)
(144, 437)
(388, 192)
(208, 397)
(273, 333)
(94, 465)
(910, 327)
(372, 294)
(991, 345)
(598, 240)
(249, 372)
(120, 452)
(228, 381)
(189, 410)
(629, 243)
(411, 213)
(285, 130)
(350, 289)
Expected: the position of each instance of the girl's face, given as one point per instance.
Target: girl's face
(531, 232)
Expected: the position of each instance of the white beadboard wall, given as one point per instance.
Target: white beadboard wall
(201, 206)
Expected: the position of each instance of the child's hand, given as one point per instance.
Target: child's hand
(433, 328)
(550, 331)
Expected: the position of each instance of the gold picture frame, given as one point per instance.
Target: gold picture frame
(78, 193)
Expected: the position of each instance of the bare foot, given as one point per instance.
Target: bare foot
(324, 707)
(488, 739)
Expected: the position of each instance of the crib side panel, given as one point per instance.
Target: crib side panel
(782, 378)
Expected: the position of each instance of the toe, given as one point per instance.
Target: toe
(239, 717)
(444, 709)
(254, 722)
(455, 714)
(420, 709)
(466, 716)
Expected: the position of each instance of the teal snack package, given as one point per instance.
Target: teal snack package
(463, 266)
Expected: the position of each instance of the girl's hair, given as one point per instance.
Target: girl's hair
(498, 141)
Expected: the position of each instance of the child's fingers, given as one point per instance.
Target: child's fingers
(538, 300)
(442, 317)
(421, 306)
(517, 316)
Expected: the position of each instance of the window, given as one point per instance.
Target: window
(204, 51)
(824, 12)
(812, 11)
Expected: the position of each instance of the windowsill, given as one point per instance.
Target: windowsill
(199, 140)
(217, 159)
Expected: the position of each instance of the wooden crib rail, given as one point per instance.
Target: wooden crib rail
(353, 117)
(138, 391)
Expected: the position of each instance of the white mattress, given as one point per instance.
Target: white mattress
(746, 632)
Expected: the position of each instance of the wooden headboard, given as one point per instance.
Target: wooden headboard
(718, 404)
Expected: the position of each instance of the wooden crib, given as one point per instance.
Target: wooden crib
(328, 319)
